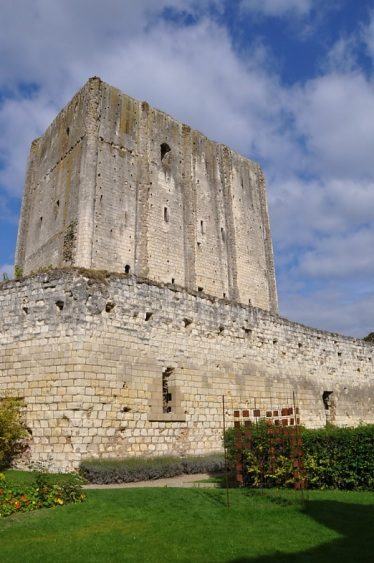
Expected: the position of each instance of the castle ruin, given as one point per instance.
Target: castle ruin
(149, 293)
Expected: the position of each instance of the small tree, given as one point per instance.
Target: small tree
(12, 431)
(369, 337)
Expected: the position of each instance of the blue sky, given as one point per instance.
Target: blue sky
(289, 83)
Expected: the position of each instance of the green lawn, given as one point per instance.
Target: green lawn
(15, 477)
(194, 525)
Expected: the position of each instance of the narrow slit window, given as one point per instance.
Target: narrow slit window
(166, 215)
(164, 150)
(223, 234)
(166, 394)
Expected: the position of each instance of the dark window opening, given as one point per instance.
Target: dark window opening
(173, 280)
(187, 322)
(166, 215)
(109, 306)
(166, 394)
(58, 203)
(127, 269)
(67, 130)
(330, 407)
(164, 150)
(148, 316)
(327, 399)
(202, 227)
(223, 234)
(200, 288)
(60, 305)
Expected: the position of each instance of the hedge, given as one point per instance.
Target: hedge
(333, 458)
(105, 471)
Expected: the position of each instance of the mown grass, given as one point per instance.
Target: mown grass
(195, 525)
(19, 478)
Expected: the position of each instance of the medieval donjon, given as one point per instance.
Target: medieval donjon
(137, 360)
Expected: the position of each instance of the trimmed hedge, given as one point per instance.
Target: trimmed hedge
(333, 458)
(340, 458)
(105, 471)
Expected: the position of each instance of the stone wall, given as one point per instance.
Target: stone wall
(115, 184)
(90, 354)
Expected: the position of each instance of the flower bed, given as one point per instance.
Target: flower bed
(40, 494)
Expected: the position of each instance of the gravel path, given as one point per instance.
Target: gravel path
(179, 481)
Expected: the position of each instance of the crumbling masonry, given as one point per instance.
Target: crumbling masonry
(136, 361)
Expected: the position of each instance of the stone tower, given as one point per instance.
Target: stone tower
(114, 184)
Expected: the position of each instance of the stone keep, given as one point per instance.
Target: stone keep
(116, 185)
(137, 361)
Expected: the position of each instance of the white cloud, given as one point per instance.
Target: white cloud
(340, 257)
(343, 55)
(278, 8)
(305, 212)
(21, 120)
(332, 113)
(329, 309)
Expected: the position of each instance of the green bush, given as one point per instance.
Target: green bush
(12, 431)
(129, 470)
(340, 458)
(41, 494)
(335, 458)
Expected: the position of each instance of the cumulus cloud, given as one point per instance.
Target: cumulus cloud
(21, 120)
(332, 113)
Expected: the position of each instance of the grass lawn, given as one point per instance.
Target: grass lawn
(194, 525)
(15, 477)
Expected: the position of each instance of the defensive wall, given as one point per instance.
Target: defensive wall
(112, 365)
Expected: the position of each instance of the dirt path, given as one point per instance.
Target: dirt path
(179, 481)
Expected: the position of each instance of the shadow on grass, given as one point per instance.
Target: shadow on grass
(352, 521)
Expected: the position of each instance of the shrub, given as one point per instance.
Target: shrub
(339, 458)
(135, 469)
(12, 430)
(18, 273)
(41, 494)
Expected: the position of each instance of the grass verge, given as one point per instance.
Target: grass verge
(194, 525)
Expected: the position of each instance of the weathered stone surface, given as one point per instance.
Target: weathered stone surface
(92, 375)
(114, 184)
(138, 363)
